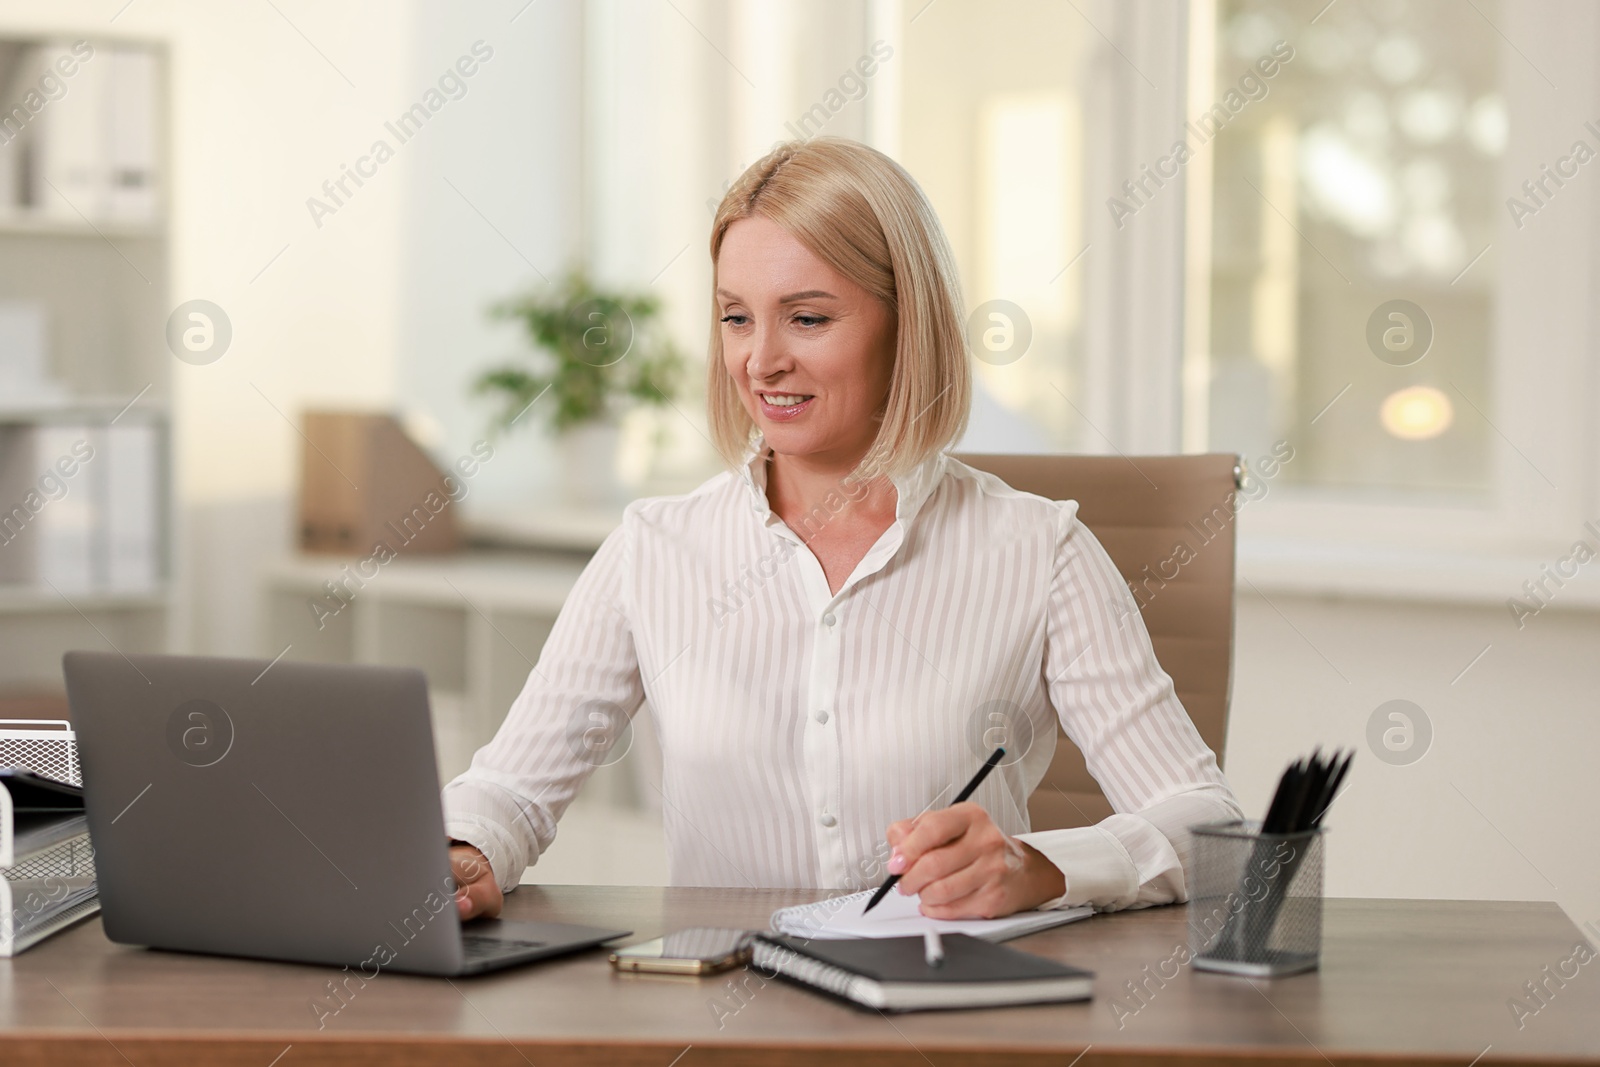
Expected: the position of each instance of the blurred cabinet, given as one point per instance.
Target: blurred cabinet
(475, 623)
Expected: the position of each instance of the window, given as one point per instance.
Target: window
(1430, 152)
(992, 127)
(1338, 157)
(1354, 199)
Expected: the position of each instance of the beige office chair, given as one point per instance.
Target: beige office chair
(1141, 508)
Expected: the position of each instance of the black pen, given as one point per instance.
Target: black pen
(977, 779)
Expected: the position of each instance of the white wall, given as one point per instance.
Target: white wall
(512, 149)
(1504, 802)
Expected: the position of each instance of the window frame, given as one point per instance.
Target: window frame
(1542, 489)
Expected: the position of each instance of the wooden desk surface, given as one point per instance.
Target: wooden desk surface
(1402, 981)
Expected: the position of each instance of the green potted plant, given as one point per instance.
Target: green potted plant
(596, 352)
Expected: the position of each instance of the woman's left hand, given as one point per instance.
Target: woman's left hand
(963, 867)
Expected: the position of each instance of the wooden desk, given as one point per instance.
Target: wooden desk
(1402, 981)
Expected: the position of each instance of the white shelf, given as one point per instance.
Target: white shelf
(43, 599)
(21, 225)
(566, 529)
(487, 583)
(80, 408)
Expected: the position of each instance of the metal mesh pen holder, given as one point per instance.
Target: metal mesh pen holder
(1256, 906)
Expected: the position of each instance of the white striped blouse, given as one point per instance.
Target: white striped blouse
(796, 723)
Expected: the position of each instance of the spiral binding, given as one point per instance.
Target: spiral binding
(825, 976)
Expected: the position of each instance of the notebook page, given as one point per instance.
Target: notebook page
(897, 916)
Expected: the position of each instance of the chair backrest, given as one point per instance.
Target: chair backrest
(1168, 524)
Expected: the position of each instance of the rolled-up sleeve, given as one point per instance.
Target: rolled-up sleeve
(1119, 707)
(579, 696)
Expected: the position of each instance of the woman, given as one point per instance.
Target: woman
(817, 629)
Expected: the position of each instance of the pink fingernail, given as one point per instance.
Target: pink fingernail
(897, 862)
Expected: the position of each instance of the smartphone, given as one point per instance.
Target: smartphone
(697, 950)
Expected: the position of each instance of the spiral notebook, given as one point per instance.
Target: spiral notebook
(897, 916)
(893, 975)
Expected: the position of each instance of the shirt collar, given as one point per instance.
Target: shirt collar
(912, 488)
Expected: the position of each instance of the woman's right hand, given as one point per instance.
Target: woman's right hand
(477, 892)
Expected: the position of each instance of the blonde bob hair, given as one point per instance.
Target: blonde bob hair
(864, 216)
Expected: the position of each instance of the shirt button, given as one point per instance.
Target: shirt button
(822, 715)
(828, 619)
(827, 820)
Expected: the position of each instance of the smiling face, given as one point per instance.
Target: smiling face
(810, 351)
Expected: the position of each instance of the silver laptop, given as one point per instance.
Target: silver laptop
(278, 810)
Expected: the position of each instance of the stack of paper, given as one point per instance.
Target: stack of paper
(899, 916)
(46, 892)
(47, 876)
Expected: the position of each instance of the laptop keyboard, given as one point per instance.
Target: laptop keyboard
(478, 947)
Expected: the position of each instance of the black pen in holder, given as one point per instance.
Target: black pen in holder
(1256, 905)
